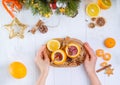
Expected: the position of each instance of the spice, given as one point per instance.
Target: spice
(93, 19)
(43, 29)
(91, 25)
(103, 68)
(39, 26)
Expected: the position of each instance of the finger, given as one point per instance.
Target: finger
(40, 52)
(89, 49)
(46, 56)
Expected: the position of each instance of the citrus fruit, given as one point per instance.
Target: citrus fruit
(103, 64)
(92, 10)
(53, 45)
(72, 50)
(107, 56)
(104, 4)
(100, 53)
(17, 70)
(58, 57)
(109, 42)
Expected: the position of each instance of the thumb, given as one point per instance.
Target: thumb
(45, 55)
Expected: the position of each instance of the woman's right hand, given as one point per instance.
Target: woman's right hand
(90, 60)
(89, 65)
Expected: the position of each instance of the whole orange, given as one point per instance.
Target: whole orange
(110, 42)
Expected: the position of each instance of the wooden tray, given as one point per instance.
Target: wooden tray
(69, 62)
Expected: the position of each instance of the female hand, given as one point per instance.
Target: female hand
(89, 65)
(43, 63)
(90, 60)
(42, 60)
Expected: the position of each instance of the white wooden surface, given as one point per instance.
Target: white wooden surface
(24, 50)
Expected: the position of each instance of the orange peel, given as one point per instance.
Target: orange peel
(58, 57)
(72, 50)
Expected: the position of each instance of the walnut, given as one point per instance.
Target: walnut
(100, 21)
(43, 29)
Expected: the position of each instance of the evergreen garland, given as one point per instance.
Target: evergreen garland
(43, 8)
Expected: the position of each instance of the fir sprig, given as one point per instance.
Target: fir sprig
(42, 7)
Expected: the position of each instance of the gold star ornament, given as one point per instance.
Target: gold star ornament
(109, 71)
(16, 28)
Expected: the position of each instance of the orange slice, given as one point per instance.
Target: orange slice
(107, 56)
(17, 70)
(100, 52)
(58, 57)
(92, 10)
(72, 50)
(104, 64)
(104, 4)
(110, 42)
(53, 45)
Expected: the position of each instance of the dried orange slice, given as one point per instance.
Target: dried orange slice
(72, 50)
(107, 56)
(58, 57)
(110, 42)
(100, 52)
(92, 10)
(17, 70)
(53, 45)
(104, 64)
(104, 4)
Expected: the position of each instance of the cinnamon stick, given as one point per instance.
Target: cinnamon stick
(101, 69)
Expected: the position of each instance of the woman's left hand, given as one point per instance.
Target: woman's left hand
(42, 60)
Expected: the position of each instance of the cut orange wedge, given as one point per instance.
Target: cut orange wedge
(58, 57)
(104, 4)
(92, 10)
(107, 56)
(100, 52)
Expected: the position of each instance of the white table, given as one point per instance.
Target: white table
(24, 50)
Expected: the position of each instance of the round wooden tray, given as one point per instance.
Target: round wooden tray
(69, 62)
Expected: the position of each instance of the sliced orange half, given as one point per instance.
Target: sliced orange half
(92, 10)
(58, 57)
(107, 56)
(17, 70)
(100, 52)
(104, 4)
(72, 50)
(53, 45)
